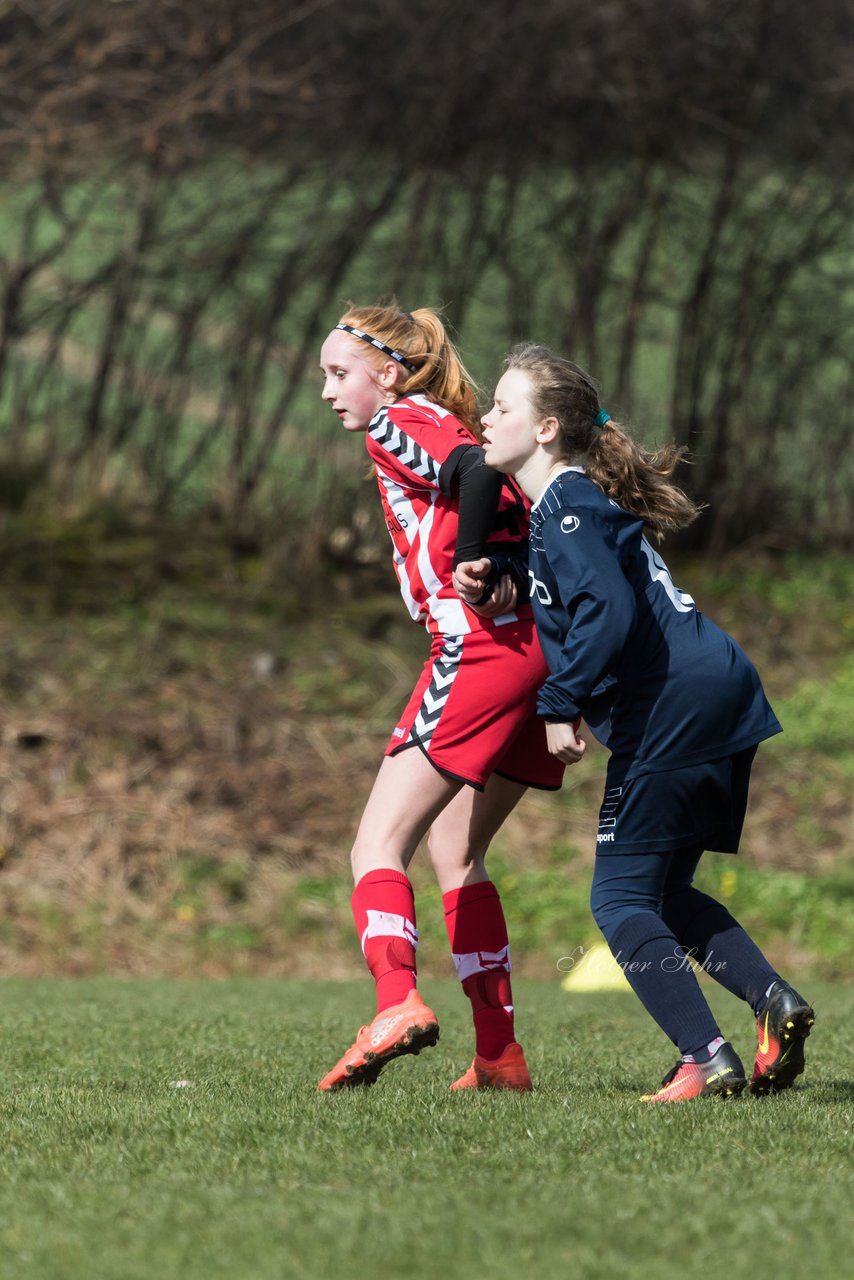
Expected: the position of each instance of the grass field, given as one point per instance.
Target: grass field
(160, 1129)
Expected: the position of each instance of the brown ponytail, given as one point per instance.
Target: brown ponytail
(636, 480)
(422, 339)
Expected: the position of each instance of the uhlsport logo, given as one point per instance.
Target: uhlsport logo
(569, 524)
(606, 837)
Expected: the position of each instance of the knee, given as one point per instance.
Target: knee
(454, 862)
(448, 845)
(683, 907)
(364, 858)
(675, 900)
(606, 910)
(612, 903)
(450, 854)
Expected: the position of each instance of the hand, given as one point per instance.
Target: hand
(504, 599)
(469, 583)
(563, 742)
(469, 578)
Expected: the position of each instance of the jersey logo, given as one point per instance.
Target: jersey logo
(569, 524)
(539, 590)
(658, 572)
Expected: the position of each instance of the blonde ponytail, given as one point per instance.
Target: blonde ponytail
(421, 339)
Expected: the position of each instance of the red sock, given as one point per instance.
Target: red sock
(478, 936)
(384, 911)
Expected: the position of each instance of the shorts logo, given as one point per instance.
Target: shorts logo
(608, 814)
(569, 524)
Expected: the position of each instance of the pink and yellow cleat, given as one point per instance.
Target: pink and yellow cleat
(510, 1071)
(722, 1076)
(403, 1028)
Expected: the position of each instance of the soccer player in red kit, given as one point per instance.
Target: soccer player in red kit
(469, 742)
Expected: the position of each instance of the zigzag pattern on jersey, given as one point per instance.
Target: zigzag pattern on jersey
(436, 695)
(403, 447)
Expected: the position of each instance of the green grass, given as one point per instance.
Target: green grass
(112, 1167)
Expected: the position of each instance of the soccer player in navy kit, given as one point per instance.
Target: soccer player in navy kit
(674, 698)
(470, 741)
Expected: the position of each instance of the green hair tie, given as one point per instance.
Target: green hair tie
(602, 417)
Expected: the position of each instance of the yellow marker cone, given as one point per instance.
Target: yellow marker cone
(593, 969)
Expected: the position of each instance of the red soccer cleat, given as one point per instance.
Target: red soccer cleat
(510, 1071)
(403, 1028)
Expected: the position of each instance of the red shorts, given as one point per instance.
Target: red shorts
(473, 712)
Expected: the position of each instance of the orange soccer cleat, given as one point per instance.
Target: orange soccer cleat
(408, 1027)
(722, 1075)
(783, 1027)
(510, 1071)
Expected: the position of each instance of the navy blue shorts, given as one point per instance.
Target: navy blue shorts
(702, 805)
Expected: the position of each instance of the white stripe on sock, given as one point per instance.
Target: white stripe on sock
(387, 924)
(468, 962)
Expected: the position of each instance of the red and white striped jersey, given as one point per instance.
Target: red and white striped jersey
(408, 442)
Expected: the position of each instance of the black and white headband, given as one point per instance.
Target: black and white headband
(381, 346)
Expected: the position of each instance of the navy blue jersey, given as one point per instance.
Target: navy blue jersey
(657, 682)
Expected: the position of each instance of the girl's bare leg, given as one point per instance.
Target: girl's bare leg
(462, 832)
(407, 797)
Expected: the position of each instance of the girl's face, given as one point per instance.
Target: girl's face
(351, 384)
(510, 428)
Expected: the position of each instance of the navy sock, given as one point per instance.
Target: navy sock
(717, 942)
(662, 978)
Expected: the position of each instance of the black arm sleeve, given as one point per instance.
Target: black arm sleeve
(479, 492)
